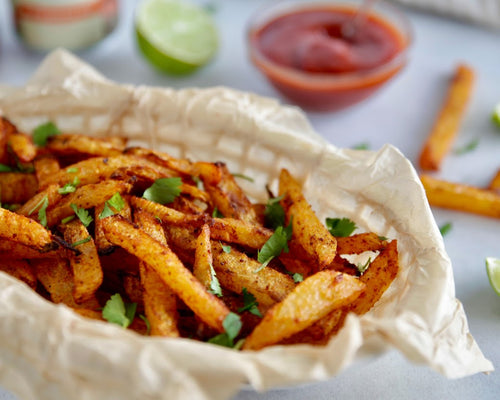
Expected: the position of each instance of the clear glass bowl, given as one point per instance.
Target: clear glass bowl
(328, 91)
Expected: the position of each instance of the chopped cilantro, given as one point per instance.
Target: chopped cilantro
(214, 283)
(250, 304)
(118, 312)
(116, 202)
(69, 187)
(82, 214)
(361, 146)
(226, 248)
(340, 227)
(79, 242)
(216, 213)
(72, 170)
(242, 176)
(43, 132)
(363, 267)
(67, 219)
(445, 228)
(297, 277)
(232, 326)
(468, 147)
(383, 238)
(42, 208)
(163, 190)
(5, 168)
(274, 213)
(146, 321)
(277, 243)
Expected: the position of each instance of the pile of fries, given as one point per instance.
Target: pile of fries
(174, 248)
(452, 195)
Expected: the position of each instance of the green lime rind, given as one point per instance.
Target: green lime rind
(161, 61)
(493, 271)
(175, 36)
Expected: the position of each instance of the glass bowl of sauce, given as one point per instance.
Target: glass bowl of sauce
(324, 55)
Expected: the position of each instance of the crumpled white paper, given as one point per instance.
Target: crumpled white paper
(48, 352)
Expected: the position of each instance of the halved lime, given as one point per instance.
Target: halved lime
(175, 36)
(493, 270)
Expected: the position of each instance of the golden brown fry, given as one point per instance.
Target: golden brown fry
(46, 167)
(22, 147)
(56, 277)
(6, 129)
(21, 229)
(495, 183)
(308, 231)
(237, 231)
(102, 244)
(158, 256)
(314, 298)
(461, 197)
(359, 243)
(17, 187)
(377, 278)
(73, 144)
(182, 166)
(86, 197)
(448, 121)
(30, 208)
(236, 271)
(160, 302)
(20, 269)
(203, 260)
(15, 250)
(225, 193)
(87, 271)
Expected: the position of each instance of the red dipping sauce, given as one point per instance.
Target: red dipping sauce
(306, 56)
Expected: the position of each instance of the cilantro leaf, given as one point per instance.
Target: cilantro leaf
(118, 312)
(82, 214)
(232, 326)
(214, 283)
(6, 168)
(42, 208)
(277, 243)
(163, 190)
(242, 176)
(468, 147)
(226, 248)
(361, 146)
(340, 227)
(69, 187)
(274, 213)
(216, 213)
(363, 267)
(72, 170)
(250, 304)
(43, 132)
(444, 229)
(79, 242)
(116, 202)
(67, 219)
(297, 277)
(146, 321)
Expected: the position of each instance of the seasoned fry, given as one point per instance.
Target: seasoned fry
(16, 187)
(103, 245)
(51, 193)
(87, 271)
(182, 166)
(64, 145)
(448, 121)
(461, 197)
(6, 129)
(46, 166)
(16, 250)
(23, 230)
(314, 298)
(359, 243)
(22, 147)
(203, 260)
(20, 269)
(495, 183)
(308, 231)
(160, 302)
(158, 256)
(236, 231)
(225, 193)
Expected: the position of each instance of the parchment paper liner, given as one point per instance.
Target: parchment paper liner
(47, 352)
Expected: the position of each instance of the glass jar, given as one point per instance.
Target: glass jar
(73, 24)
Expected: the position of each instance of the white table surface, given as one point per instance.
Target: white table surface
(401, 114)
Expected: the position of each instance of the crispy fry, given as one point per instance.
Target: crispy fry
(46, 166)
(377, 278)
(160, 302)
(461, 197)
(182, 166)
(87, 271)
(20, 269)
(52, 194)
(16, 187)
(15, 250)
(6, 129)
(87, 196)
(448, 121)
(225, 193)
(21, 229)
(359, 243)
(203, 260)
(237, 231)
(308, 230)
(22, 147)
(102, 244)
(495, 183)
(56, 277)
(314, 298)
(64, 145)
(158, 256)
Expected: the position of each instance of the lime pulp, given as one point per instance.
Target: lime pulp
(493, 271)
(175, 36)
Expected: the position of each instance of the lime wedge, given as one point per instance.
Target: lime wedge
(175, 36)
(493, 270)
